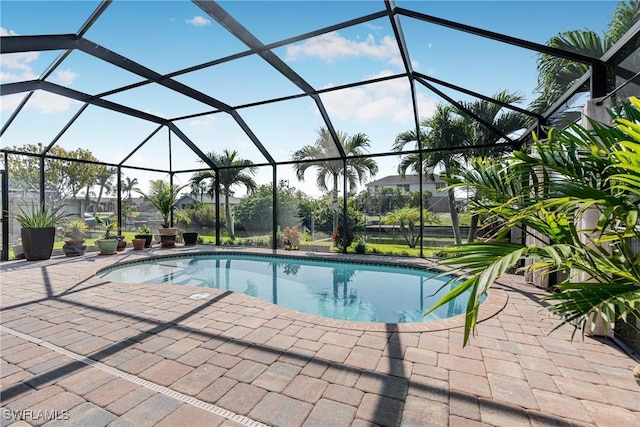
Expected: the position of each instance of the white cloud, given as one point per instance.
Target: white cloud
(10, 102)
(331, 46)
(5, 32)
(50, 103)
(198, 21)
(204, 121)
(65, 77)
(385, 100)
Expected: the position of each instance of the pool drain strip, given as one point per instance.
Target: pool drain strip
(139, 381)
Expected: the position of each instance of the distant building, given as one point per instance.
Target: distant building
(438, 203)
(407, 183)
(187, 200)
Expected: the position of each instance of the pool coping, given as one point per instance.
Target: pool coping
(495, 301)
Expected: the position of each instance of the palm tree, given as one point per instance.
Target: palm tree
(104, 181)
(506, 122)
(555, 75)
(162, 196)
(581, 191)
(199, 189)
(128, 187)
(233, 171)
(330, 171)
(443, 132)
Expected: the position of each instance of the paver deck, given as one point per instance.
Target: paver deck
(78, 350)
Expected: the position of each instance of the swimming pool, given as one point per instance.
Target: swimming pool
(339, 290)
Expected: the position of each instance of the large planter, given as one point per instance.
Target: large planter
(107, 246)
(190, 238)
(168, 231)
(38, 242)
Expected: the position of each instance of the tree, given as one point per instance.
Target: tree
(163, 196)
(199, 189)
(443, 133)
(234, 171)
(408, 218)
(330, 171)
(505, 121)
(105, 183)
(575, 175)
(128, 187)
(256, 210)
(62, 178)
(79, 175)
(556, 75)
(383, 200)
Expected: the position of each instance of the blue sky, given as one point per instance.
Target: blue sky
(167, 36)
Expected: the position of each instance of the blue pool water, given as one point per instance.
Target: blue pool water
(339, 290)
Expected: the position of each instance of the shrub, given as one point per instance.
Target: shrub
(36, 217)
(342, 237)
(75, 228)
(361, 246)
(291, 236)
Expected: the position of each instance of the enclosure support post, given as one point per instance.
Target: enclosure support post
(171, 185)
(42, 186)
(119, 199)
(274, 199)
(216, 194)
(345, 211)
(5, 210)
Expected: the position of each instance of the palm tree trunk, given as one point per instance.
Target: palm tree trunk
(95, 209)
(454, 216)
(473, 228)
(87, 198)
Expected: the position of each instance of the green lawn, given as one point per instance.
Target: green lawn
(371, 248)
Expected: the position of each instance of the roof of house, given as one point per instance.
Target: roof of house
(399, 180)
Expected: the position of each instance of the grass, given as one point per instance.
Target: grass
(393, 249)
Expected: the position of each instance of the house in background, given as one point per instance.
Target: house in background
(187, 200)
(438, 202)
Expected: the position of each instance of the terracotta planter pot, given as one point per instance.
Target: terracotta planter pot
(138, 244)
(122, 244)
(147, 239)
(38, 242)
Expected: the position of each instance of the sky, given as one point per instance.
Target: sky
(167, 36)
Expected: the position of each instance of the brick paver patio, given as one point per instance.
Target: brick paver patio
(77, 350)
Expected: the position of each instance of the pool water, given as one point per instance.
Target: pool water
(339, 290)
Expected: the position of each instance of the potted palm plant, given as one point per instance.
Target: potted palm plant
(107, 244)
(38, 230)
(163, 196)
